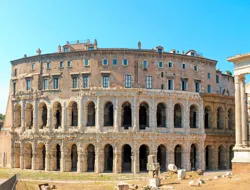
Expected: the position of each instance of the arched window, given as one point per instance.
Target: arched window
(221, 158)
(73, 114)
(17, 116)
(91, 114)
(208, 117)
(74, 157)
(90, 158)
(178, 156)
(108, 114)
(193, 117)
(209, 157)
(143, 116)
(193, 157)
(161, 115)
(161, 157)
(143, 157)
(126, 158)
(108, 158)
(126, 115)
(177, 116)
(57, 115)
(231, 118)
(29, 116)
(220, 118)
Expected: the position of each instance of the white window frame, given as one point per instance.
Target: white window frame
(69, 66)
(172, 84)
(75, 82)
(105, 59)
(197, 68)
(28, 84)
(123, 62)
(84, 81)
(48, 66)
(149, 82)
(199, 86)
(61, 62)
(104, 82)
(58, 86)
(144, 61)
(33, 66)
(44, 87)
(185, 81)
(169, 64)
(86, 61)
(159, 64)
(128, 80)
(113, 62)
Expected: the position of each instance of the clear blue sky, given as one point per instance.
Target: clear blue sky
(218, 29)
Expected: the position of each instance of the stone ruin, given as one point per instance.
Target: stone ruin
(153, 170)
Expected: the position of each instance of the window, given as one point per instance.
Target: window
(105, 81)
(105, 62)
(114, 61)
(127, 81)
(45, 84)
(145, 64)
(192, 53)
(69, 64)
(33, 67)
(28, 84)
(159, 50)
(183, 66)
(197, 86)
(217, 78)
(162, 74)
(209, 88)
(170, 84)
(183, 85)
(208, 75)
(85, 81)
(149, 82)
(55, 83)
(66, 49)
(75, 82)
(170, 65)
(61, 64)
(125, 62)
(91, 48)
(14, 87)
(15, 72)
(86, 62)
(195, 68)
(48, 65)
(160, 64)
(162, 86)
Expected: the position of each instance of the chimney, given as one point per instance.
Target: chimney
(95, 44)
(38, 51)
(59, 49)
(139, 45)
(25, 55)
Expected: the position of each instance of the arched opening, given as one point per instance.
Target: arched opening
(178, 156)
(126, 115)
(17, 116)
(108, 114)
(41, 155)
(29, 115)
(57, 115)
(143, 157)
(126, 158)
(108, 158)
(43, 115)
(74, 157)
(56, 157)
(91, 114)
(221, 158)
(193, 157)
(161, 157)
(231, 118)
(73, 114)
(177, 116)
(90, 158)
(208, 117)
(17, 155)
(28, 156)
(231, 156)
(193, 117)
(209, 157)
(161, 115)
(220, 118)
(143, 116)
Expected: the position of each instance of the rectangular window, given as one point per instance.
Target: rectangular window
(86, 62)
(91, 48)
(160, 64)
(28, 84)
(128, 81)
(170, 85)
(105, 81)
(145, 64)
(61, 64)
(195, 68)
(75, 82)
(114, 61)
(33, 67)
(85, 81)
(183, 85)
(55, 83)
(48, 65)
(183, 66)
(15, 72)
(162, 86)
(149, 82)
(217, 78)
(69, 64)
(105, 62)
(66, 50)
(170, 65)
(209, 88)
(208, 75)
(14, 87)
(125, 62)
(45, 84)
(197, 86)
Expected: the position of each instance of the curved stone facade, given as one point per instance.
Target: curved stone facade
(98, 109)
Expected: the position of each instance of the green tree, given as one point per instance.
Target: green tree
(229, 73)
(2, 116)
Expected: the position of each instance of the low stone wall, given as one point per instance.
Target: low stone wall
(9, 184)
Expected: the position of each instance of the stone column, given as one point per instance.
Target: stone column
(117, 156)
(201, 117)
(238, 129)
(152, 119)
(48, 156)
(186, 121)
(215, 157)
(243, 111)
(12, 152)
(170, 115)
(116, 115)
(35, 116)
(85, 159)
(21, 155)
(79, 158)
(63, 157)
(135, 120)
(136, 163)
(34, 154)
(97, 159)
(64, 117)
(49, 119)
(22, 115)
(80, 114)
(98, 115)
(214, 112)
(186, 160)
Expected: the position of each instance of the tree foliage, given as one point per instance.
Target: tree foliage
(2, 116)
(229, 73)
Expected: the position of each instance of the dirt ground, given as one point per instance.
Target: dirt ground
(237, 182)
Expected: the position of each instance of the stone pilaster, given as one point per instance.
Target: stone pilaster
(186, 121)
(135, 119)
(170, 119)
(12, 153)
(97, 159)
(85, 159)
(79, 158)
(117, 158)
(98, 115)
(215, 157)
(49, 119)
(47, 156)
(35, 116)
(238, 129)
(152, 119)
(116, 115)
(80, 115)
(22, 155)
(63, 157)
(64, 117)
(201, 117)
(186, 160)
(136, 162)
(22, 115)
